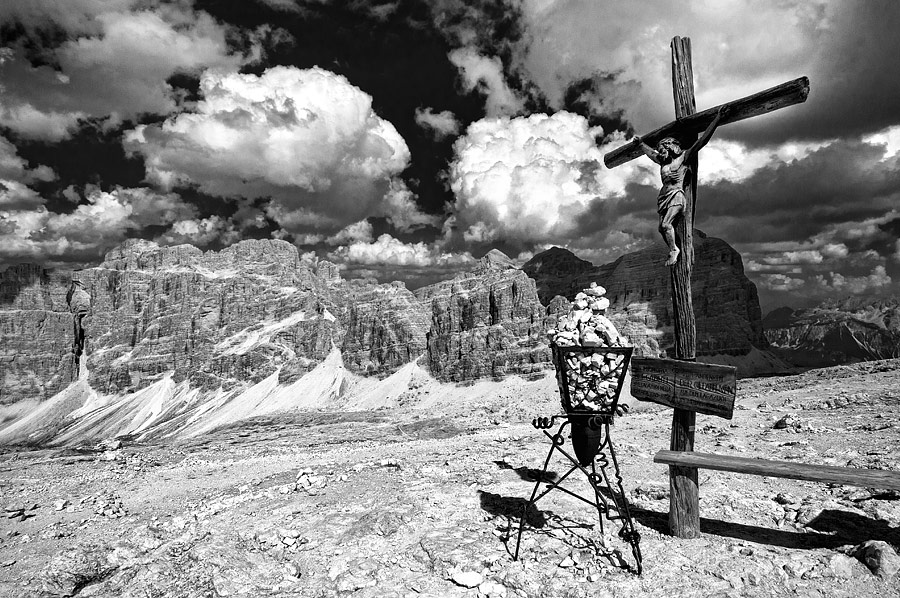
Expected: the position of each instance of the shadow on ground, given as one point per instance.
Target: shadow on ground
(831, 529)
(530, 474)
(577, 535)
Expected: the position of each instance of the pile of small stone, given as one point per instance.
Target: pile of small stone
(108, 505)
(308, 481)
(593, 377)
(586, 325)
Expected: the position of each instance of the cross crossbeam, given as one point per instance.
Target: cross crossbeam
(774, 98)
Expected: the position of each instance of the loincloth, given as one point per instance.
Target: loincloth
(669, 198)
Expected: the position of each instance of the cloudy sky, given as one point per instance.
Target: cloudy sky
(403, 139)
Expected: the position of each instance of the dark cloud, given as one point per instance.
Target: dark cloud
(586, 97)
(844, 181)
(92, 155)
(854, 87)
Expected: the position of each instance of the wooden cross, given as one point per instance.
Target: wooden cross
(684, 520)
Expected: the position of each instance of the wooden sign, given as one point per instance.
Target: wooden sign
(699, 387)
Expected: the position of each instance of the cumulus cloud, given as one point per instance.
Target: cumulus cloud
(386, 250)
(781, 282)
(844, 258)
(14, 168)
(283, 5)
(441, 124)
(15, 178)
(809, 256)
(889, 138)
(200, 232)
(306, 138)
(855, 285)
(358, 232)
(101, 221)
(485, 74)
(525, 179)
(113, 62)
(402, 211)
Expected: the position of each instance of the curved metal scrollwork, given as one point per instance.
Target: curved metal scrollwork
(598, 477)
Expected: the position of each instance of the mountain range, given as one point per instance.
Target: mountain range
(178, 341)
(836, 332)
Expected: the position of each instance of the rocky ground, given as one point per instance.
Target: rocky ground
(420, 503)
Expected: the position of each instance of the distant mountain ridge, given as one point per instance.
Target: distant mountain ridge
(179, 340)
(837, 331)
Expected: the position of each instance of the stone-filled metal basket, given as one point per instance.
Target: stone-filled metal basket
(586, 422)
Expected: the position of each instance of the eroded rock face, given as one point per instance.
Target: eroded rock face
(486, 324)
(218, 319)
(384, 326)
(36, 334)
(838, 331)
(236, 316)
(726, 303)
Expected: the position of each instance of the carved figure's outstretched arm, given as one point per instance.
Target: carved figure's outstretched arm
(648, 151)
(707, 134)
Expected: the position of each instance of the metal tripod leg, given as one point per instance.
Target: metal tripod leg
(557, 440)
(627, 532)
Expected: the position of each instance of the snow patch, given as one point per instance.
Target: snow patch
(248, 338)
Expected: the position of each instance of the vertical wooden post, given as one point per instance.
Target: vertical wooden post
(684, 498)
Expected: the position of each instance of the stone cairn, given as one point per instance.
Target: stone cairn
(593, 377)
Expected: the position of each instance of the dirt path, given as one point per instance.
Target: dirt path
(392, 503)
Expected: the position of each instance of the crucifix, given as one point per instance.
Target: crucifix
(677, 204)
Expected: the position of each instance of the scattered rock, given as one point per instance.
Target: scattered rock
(111, 456)
(110, 444)
(841, 566)
(787, 421)
(783, 498)
(467, 579)
(651, 491)
(288, 533)
(492, 590)
(808, 513)
(74, 569)
(879, 557)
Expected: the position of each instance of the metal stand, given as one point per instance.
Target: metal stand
(595, 479)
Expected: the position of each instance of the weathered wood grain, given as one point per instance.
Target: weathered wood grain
(774, 98)
(849, 476)
(684, 507)
(699, 387)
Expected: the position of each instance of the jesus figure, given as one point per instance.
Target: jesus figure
(673, 168)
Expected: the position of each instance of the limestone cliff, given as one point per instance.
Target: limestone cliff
(837, 331)
(384, 326)
(36, 334)
(726, 303)
(221, 321)
(216, 319)
(488, 323)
